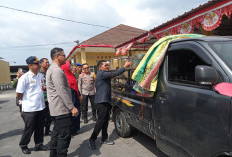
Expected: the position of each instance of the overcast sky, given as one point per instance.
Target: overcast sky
(18, 29)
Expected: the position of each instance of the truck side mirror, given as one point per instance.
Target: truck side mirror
(206, 75)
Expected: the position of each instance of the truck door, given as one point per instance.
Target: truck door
(190, 120)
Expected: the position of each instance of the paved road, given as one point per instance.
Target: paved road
(11, 125)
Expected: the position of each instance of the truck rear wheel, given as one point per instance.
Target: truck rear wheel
(122, 128)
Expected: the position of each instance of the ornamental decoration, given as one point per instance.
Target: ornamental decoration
(124, 50)
(143, 40)
(186, 28)
(163, 34)
(211, 20)
(167, 33)
(118, 51)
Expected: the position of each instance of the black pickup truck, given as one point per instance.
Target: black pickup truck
(186, 116)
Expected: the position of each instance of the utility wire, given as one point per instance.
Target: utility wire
(31, 46)
(19, 49)
(59, 18)
(24, 46)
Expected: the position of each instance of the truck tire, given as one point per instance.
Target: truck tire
(122, 128)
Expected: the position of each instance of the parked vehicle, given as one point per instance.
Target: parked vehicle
(186, 117)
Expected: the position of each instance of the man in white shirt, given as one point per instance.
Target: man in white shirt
(30, 91)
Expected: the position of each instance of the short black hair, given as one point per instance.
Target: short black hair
(55, 51)
(100, 62)
(84, 64)
(42, 60)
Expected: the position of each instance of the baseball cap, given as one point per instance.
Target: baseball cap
(78, 64)
(32, 60)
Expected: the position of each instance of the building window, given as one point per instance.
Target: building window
(91, 68)
(98, 57)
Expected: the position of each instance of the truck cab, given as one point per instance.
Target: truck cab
(186, 116)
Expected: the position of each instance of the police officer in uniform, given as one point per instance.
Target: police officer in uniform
(86, 86)
(60, 104)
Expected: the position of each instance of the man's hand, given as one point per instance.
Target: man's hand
(19, 74)
(127, 64)
(81, 98)
(19, 95)
(74, 111)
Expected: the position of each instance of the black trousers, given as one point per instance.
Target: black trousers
(103, 113)
(47, 117)
(75, 120)
(85, 105)
(34, 122)
(61, 136)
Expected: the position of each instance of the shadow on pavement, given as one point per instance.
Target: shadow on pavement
(3, 101)
(84, 151)
(113, 136)
(148, 143)
(5, 156)
(10, 133)
(86, 128)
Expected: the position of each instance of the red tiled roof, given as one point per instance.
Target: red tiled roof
(114, 36)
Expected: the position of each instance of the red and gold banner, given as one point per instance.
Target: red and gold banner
(209, 18)
(124, 49)
(186, 28)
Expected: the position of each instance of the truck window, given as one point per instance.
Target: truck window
(223, 49)
(181, 66)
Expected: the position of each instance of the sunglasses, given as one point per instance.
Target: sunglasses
(62, 55)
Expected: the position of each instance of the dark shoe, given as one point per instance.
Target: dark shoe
(106, 141)
(92, 145)
(26, 150)
(40, 148)
(94, 118)
(48, 145)
(85, 120)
